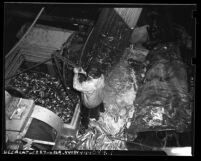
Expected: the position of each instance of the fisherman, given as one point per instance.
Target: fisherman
(91, 89)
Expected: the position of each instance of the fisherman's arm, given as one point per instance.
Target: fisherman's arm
(84, 86)
(76, 84)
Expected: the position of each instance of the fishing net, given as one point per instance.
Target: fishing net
(162, 102)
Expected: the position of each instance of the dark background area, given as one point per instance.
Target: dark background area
(181, 14)
(17, 14)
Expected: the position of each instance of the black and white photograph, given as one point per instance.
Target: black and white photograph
(99, 79)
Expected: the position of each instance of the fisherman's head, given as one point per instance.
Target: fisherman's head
(94, 73)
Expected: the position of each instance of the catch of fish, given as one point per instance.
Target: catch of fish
(47, 92)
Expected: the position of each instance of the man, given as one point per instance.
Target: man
(91, 92)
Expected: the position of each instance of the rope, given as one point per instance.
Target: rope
(85, 45)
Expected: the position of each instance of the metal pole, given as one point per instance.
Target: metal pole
(85, 46)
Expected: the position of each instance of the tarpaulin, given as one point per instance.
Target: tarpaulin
(162, 102)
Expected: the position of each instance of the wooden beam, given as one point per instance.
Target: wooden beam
(29, 15)
(129, 15)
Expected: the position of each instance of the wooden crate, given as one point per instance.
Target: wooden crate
(36, 55)
(17, 57)
(43, 40)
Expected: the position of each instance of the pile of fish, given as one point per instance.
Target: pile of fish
(47, 92)
(105, 53)
(162, 101)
